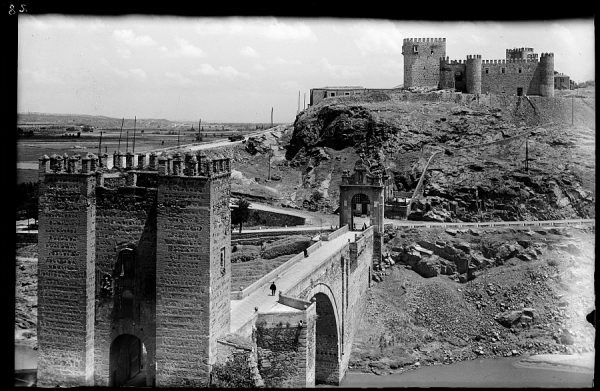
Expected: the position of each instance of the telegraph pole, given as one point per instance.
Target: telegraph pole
(304, 101)
(572, 109)
(270, 156)
(127, 140)
(199, 123)
(100, 146)
(527, 154)
(134, 121)
(298, 102)
(271, 117)
(120, 133)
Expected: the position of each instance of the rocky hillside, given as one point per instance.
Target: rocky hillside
(481, 174)
(532, 292)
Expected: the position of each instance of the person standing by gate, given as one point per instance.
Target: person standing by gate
(273, 288)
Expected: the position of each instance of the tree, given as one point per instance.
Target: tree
(241, 213)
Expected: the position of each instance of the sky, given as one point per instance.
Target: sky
(235, 69)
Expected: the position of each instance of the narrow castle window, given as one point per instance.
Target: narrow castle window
(222, 261)
(332, 94)
(431, 51)
(520, 70)
(487, 70)
(503, 70)
(346, 93)
(416, 49)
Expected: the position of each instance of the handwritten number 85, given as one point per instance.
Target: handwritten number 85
(11, 9)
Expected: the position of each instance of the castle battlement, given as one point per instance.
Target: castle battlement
(423, 40)
(546, 55)
(473, 56)
(188, 165)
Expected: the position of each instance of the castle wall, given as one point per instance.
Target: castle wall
(66, 280)
(422, 61)
(452, 75)
(183, 257)
(220, 258)
(502, 77)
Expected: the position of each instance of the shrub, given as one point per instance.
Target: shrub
(287, 246)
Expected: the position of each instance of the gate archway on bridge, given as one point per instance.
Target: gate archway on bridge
(327, 356)
(360, 205)
(127, 361)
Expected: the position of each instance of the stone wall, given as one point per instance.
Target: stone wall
(504, 77)
(284, 347)
(66, 280)
(183, 274)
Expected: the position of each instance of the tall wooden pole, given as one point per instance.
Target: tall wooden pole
(527, 155)
(271, 117)
(134, 121)
(572, 109)
(304, 107)
(298, 103)
(120, 133)
(127, 140)
(100, 146)
(199, 123)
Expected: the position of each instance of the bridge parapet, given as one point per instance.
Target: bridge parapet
(332, 235)
(274, 274)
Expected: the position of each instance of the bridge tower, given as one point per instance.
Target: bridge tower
(361, 193)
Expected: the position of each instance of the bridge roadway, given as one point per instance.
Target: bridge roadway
(242, 310)
(538, 223)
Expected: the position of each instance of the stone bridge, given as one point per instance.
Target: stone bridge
(303, 335)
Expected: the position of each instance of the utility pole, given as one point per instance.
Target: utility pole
(527, 154)
(178, 133)
(127, 140)
(298, 102)
(271, 117)
(120, 133)
(572, 109)
(134, 121)
(100, 146)
(304, 101)
(270, 156)
(199, 136)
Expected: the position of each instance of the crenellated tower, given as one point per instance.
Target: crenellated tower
(134, 268)
(546, 74)
(473, 74)
(422, 61)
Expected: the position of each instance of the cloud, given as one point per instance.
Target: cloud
(226, 71)
(249, 52)
(41, 76)
(128, 37)
(290, 85)
(283, 61)
(45, 23)
(269, 28)
(138, 73)
(184, 49)
(259, 67)
(338, 71)
(379, 38)
(178, 78)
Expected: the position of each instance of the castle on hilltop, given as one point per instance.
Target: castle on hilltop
(520, 73)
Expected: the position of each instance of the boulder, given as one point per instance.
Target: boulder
(428, 267)
(508, 318)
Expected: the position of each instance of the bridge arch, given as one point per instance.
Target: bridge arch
(327, 336)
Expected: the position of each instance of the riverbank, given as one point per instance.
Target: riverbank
(511, 372)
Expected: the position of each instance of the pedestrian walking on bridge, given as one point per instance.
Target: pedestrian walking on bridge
(273, 288)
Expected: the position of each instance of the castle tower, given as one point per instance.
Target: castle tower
(422, 61)
(546, 73)
(473, 74)
(446, 75)
(66, 276)
(193, 271)
(521, 54)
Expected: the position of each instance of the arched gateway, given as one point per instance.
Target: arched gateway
(127, 361)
